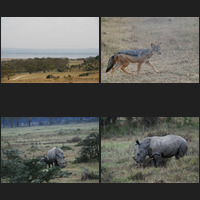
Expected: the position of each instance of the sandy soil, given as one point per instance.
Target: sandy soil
(179, 61)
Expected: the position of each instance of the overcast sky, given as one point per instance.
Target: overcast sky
(50, 32)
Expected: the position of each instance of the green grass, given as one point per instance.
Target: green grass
(118, 165)
(36, 141)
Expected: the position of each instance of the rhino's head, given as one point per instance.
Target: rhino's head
(141, 152)
(44, 159)
(60, 159)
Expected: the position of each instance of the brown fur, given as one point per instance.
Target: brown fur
(125, 60)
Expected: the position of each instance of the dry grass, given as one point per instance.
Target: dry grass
(36, 141)
(119, 167)
(179, 61)
(40, 77)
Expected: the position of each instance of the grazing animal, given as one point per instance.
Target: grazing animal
(47, 161)
(160, 147)
(56, 155)
(124, 57)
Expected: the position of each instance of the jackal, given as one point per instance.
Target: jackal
(123, 58)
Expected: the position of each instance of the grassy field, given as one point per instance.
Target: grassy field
(40, 77)
(179, 61)
(36, 141)
(118, 165)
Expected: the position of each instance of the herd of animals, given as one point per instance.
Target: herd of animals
(156, 148)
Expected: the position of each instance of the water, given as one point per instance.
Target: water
(45, 55)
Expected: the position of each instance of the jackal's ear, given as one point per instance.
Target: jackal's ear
(152, 45)
(160, 43)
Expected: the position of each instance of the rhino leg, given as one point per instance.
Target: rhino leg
(153, 163)
(158, 160)
(56, 163)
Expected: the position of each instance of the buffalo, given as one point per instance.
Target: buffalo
(158, 148)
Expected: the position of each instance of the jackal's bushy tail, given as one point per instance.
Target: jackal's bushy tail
(110, 63)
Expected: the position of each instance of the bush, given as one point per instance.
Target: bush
(16, 170)
(49, 76)
(84, 74)
(86, 174)
(90, 149)
(75, 139)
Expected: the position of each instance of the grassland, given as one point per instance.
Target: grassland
(118, 165)
(179, 61)
(74, 76)
(36, 141)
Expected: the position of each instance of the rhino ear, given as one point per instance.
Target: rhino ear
(137, 142)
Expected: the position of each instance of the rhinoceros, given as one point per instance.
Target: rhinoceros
(160, 147)
(56, 156)
(47, 161)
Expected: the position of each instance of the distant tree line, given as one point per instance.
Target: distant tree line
(34, 65)
(89, 64)
(11, 122)
(119, 125)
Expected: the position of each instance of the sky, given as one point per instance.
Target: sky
(50, 32)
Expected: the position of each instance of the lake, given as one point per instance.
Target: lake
(45, 55)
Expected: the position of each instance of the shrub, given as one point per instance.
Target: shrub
(75, 139)
(84, 74)
(49, 76)
(66, 147)
(90, 149)
(86, 174)
(14, 169)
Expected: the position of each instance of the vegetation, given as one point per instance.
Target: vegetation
(10, 67)
(14, 169)
(31, 143)
(89, 64)
(36, 64)
(179, 37)
(6, 72)
(117, 149)
(11, 122)
(90, 148)
(50, 70)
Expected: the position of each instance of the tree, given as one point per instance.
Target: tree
(11, 120)
(17, 121)
(3, 120)
(29, 119)
(90, 148)
(6, 72)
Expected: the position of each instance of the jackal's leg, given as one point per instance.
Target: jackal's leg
(154, 68)
(115, 66)
(113, 69)
(123, 66)
(138, 68)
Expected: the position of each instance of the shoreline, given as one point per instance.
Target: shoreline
(72, 59)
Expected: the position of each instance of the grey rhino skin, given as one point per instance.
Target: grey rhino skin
(160, 147)
(47, 161)
(56, 155)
